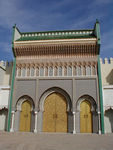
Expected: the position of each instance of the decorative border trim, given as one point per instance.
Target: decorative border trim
(101, 96)
(11, 95)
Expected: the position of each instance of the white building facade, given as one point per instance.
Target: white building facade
(5, 80)
(107, 83)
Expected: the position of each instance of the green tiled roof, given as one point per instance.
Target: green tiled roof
(66, 34)
(47, 35)
(52, 37)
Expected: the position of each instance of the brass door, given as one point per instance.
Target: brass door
(55, 115)
(25, 117)
(85, 117)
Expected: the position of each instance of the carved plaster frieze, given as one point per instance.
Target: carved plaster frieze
(56, 50)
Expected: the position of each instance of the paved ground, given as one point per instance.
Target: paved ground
(45, 141)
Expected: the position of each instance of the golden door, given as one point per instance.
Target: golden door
(49, 110)
(61, 111)
(55, 115)
(85, 117)
(25, 117)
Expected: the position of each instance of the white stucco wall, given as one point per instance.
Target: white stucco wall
(2, 73)
(108, 108)
(107, 83)
(4, 96)
(3, 119)
(5, 73)
(4, 102)
(108, 97)
(107, 71)
(108, 121)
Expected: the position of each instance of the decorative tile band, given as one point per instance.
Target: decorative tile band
(65, 33)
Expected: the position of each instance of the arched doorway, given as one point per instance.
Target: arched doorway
(85, 117)
(108, 119)
(55, 113)
(25, 116)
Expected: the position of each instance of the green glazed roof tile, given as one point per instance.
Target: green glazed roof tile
(55, 37)
(67, 34)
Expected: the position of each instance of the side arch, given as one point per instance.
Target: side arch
(19, 110)
(88, 98)
(23, 99)
(53, 90)
(93, 109)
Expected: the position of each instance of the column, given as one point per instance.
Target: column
(72, 70)
(17, 72)
(12, 122)
(99, 120)
(35, 130)
(35, 71)
(62, 70)
(74, 130)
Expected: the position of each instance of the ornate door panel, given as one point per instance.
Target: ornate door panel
(85, 117)
(55, 116)
(61, 120)
(25, 117)
(48, 114)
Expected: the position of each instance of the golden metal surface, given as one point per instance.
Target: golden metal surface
(55, 115)
(85, 117)
(25, 117)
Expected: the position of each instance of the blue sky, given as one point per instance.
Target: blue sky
(44, 15)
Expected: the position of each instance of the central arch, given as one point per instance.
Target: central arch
(63, 98)
(55, 113)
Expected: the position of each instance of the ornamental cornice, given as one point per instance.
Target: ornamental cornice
(64, 64)
(32, 65)
(84, 63)
(34, 60)
(63, 41)
(79, 63)
(28, 65)
(88, 63)
(55, 64)
(65, 50)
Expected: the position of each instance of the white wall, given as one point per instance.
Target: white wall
(107, 71)
(4, 96)
(108, 108)
(107, 97)
(4, 100)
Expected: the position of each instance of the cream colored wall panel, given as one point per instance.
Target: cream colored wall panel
(3, 119)
(108, 121)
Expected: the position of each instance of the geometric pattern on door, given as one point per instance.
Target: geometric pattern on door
(25, 116)
(55, 113)
(85, 117)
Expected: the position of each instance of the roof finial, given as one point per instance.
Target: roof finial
(14, 25)
(97, 21)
